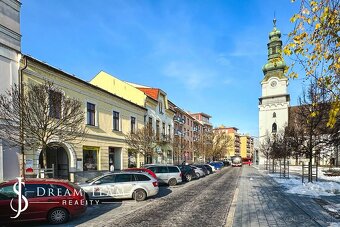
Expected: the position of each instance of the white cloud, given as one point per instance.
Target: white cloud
(193, 76)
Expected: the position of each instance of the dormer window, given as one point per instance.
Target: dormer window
(274, 115)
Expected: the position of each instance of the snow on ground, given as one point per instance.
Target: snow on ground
(334, 224)
(294, 185)
(321, 173)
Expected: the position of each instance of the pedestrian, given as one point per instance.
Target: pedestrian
(112, 168)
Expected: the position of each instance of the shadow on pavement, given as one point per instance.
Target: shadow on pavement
(93, 211)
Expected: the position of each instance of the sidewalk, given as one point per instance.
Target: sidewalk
(262, 202)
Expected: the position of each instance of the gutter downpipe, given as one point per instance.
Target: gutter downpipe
(22, 148)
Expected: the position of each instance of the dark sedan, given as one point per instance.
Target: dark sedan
(187, 172)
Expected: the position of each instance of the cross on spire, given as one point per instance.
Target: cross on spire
(274, 20)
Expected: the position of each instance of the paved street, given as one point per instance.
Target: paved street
(202, 202)
(233, 197)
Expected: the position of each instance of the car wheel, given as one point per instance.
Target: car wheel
(208, 172)
(172, 182)
(188, 177)
(58, 216)
(198, 175)
(139, 195)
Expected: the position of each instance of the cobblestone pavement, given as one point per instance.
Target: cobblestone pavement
(262, 202)
(202, 202)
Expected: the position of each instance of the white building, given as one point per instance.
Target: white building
(10, 47)
(274, 101)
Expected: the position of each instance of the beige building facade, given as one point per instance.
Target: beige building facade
(108, 118)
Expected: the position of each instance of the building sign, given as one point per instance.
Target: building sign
(29, 166)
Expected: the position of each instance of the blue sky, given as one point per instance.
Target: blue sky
(206, 55)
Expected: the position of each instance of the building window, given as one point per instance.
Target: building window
(163, 129)
(274, 128)
(133, 124)
(132, 159)
(169, 130)
(161, 107)
(115, 118)
(54, 98)
(90, 159)
(274, 115)
(150, 125)
(91, 114)
(157, 129)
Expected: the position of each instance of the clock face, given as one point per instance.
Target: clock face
(273, 83)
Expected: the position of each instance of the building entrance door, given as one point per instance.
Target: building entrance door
(111, 159)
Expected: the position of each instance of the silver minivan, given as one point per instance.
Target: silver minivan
(167, 174)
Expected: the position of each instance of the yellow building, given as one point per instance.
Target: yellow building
(234, 145)
(158, 115)
(247, 146)
(108, 118)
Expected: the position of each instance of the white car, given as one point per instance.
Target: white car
(199, 172)
(123, 185)
(167, 174)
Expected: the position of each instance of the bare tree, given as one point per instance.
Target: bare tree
(293, 134)
(265, 148)
(312, 115)
(220, 143)
(143, 142)
(180, 145)
(37, 115)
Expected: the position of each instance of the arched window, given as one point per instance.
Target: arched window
(274, 128)
(274, 115)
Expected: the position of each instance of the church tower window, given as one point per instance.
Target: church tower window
(274, 115)
(274, 128)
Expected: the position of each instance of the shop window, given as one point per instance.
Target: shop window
(90, 159)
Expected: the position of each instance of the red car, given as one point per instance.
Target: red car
(141, 170)
(41, 199)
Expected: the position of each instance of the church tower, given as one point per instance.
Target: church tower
(274, 101)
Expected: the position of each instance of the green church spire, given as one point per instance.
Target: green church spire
(275, 65)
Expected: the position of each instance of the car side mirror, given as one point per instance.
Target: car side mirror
(97, 182)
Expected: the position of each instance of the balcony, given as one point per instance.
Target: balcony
(178, 133)
(165, 138)
(179, 120)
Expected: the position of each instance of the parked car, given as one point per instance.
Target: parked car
(122, 185)
(141, 170)
(217, 165)
(226, 162)
(47, 199)
(167, 174)
(210, 168)
(188, 173)
(199, 172)
(205, 170)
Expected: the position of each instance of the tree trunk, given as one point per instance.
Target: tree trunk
(284, 166)
(44, 157)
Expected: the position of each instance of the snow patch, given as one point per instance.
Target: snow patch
(315, 189)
